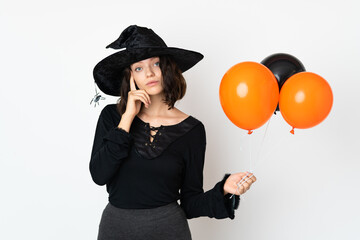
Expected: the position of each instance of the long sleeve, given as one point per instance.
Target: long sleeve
(111, 146)
(193, 199)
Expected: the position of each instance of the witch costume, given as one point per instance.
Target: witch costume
(146, 179)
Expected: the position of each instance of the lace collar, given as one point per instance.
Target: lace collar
(165, 135)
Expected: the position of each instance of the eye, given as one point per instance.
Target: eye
(157, 64)
(138, 69)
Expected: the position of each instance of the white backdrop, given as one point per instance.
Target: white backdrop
(307, 184)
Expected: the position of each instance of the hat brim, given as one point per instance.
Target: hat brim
(108, 72)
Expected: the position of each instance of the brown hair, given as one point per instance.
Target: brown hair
(174, 84)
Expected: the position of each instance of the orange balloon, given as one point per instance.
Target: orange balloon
(305, 100)
(249, 94)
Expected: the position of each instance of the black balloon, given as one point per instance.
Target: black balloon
(283, 66)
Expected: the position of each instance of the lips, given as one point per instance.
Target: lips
(152, 83)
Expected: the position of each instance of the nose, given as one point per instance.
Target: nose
(149, 72)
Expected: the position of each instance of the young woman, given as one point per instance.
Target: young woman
(149, 153)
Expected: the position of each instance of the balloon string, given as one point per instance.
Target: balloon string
(273, 147)
(262, 142)
(250, 148)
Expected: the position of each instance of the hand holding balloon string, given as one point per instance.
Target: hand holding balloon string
(239, 183)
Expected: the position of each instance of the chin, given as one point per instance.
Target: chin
(154, 91)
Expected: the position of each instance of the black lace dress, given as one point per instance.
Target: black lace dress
(143, 171)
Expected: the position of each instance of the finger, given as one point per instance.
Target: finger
(239, 177)
(142, 95)
(243, 178)
(253, 178)
(147, 96)
(140, 98)
(241, 189)
(243, 174)
(249, 180)
(246, 186)
(238, 191)
(132, 83)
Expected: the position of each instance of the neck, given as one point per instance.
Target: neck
(156, 108)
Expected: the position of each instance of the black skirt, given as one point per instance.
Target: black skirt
(165, 222)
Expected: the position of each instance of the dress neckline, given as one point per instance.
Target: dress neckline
(165, 135)
(165, 126)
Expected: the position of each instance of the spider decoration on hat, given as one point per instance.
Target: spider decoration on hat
(96, 98)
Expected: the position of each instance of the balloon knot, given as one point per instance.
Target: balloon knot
(250, 132)
(292, 131)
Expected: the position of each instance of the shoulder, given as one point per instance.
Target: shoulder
(110, 113)
(197, 134)
(197, 123)
(110, 110)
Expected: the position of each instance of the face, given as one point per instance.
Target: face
(147, 75)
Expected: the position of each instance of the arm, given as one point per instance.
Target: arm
(196, 202)
(111, 146)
